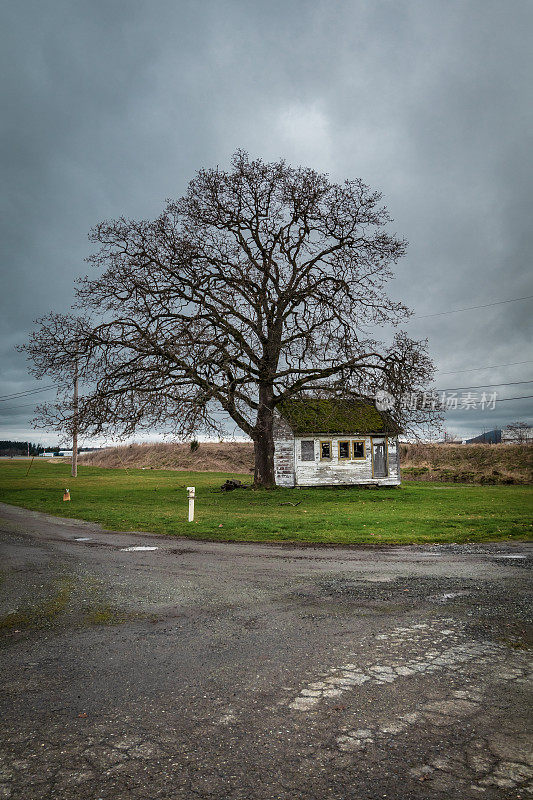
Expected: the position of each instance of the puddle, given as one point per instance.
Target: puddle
(443, 598)
(510, 555)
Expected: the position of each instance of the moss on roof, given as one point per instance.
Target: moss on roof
(315, 415)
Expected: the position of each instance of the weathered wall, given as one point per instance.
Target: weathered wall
(340, 472)
(283, 452)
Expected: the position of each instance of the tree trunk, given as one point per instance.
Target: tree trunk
(263, 436)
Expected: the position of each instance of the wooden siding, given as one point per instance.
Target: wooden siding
(283, 452)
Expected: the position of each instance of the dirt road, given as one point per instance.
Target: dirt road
(230, 671)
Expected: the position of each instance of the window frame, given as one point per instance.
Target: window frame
(330, 457)
(349, 456)
(352, 450)
(307, 460)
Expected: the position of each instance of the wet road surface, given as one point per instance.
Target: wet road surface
(192, 669)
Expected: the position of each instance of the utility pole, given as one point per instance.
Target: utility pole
(75, 424)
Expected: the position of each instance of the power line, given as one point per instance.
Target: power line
(483, 386)
(14, 395)
(492, 366)
(504, 399)
(16, 408)
(27, 392)
(472, 308)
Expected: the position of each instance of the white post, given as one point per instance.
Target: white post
(190, 495)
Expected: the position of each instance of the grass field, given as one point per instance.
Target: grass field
(155, 501)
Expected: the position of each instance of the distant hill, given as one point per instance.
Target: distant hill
(479, 463)
(489, 437)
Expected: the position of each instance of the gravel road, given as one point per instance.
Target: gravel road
(137, 666)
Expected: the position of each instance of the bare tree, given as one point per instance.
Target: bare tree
(260, 284)
(518, 432)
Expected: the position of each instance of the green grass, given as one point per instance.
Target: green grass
(155, 501)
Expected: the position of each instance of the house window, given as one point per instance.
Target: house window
(358, 449)
(325, 450)
(308, 450)
(344, 451)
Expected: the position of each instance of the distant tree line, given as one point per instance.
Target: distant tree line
(8, 447)
(12, 448)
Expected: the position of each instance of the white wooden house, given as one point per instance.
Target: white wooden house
(320, 442)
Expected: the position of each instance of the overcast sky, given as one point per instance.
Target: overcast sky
(110, 107)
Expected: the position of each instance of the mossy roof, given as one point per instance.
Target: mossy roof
(316, 415)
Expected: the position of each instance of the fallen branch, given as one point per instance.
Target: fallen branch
(231, 485)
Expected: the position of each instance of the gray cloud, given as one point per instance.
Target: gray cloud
(112, 106)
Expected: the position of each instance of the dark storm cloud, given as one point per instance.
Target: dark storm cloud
(110, 107)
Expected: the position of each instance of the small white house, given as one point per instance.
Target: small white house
(320, 442)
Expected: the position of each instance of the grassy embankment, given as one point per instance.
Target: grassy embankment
(463, 463)
(210, 456)
(155, 501)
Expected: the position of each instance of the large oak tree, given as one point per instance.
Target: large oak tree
(261, 283)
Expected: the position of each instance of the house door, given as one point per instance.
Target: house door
(379, 456)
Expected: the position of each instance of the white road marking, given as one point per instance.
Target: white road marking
(83, 539)
(137, 549)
